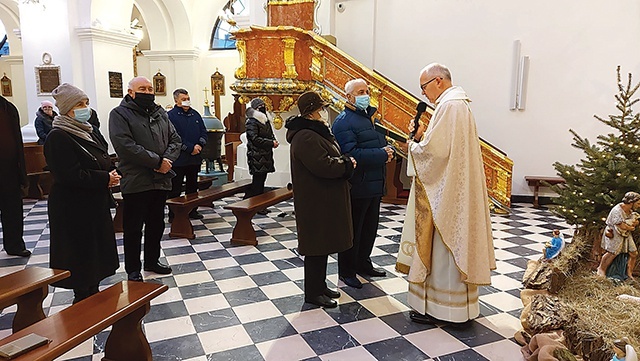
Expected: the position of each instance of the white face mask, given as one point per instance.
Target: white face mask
(186, 103)
(324, 115)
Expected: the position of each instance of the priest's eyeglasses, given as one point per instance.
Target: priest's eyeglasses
(423, 85)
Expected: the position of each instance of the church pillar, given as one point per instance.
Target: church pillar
(180, 67)
(44, 29)
(103, 52)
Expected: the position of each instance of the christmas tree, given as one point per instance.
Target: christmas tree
(610, 168)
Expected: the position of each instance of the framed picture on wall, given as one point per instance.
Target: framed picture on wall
(159, 84)
(115, 84)
(5, 84)
(47, 79)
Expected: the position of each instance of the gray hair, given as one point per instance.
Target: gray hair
(348, 88)
(630, 197)
(437, 70)
(177, 92)
(130, 85)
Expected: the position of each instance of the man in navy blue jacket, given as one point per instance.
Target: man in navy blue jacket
(358, 138)
(190, 127)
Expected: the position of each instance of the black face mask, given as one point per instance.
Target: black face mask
(262, 110)
(145, 101)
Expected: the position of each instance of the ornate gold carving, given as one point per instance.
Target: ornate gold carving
(375, 94)
(241, 72)
(289, 60)
(317, 70)
(272, 86)
(289, 2)
(278, 122)
(285, 104)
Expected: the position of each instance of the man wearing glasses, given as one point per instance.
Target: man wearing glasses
(357, 137)
(447, 246)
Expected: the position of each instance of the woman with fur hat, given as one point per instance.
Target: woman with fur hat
(260, 145)
(82, 236)
(322, 204)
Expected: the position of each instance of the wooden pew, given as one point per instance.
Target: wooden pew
(541, 181)
(35, 164)
(181, 206)
(122, 305)
(243, 232)
(27, 288)
(203, 183)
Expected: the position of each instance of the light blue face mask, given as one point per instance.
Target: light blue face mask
(362, 102)
(82, 114)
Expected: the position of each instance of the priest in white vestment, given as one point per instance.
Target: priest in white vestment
(446, 246)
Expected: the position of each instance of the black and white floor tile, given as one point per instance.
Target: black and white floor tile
(246, 303)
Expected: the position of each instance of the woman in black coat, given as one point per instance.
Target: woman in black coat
(44, 120)
(260, 145)
(82, 236)
(322, 203)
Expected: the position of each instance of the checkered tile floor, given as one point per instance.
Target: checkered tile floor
(246, 303)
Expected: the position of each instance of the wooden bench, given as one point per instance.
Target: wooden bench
(541, 181)
(181, 206)
(122, 305)
(243, 232)
(35, 184)
(203, 183)
(27, 288)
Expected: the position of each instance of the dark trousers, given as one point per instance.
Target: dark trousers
(11, 212)
(365, 213)
(80, 294)
(315, 274)
(191, 185)
(257, 185)
(144, 208)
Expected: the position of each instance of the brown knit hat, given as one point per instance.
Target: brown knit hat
(67, 96)
(309, 102)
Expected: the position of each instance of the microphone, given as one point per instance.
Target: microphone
(421, 108)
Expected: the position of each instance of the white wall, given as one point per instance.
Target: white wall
(574, 49)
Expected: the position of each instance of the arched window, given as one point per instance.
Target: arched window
(235, 11)
(4, 43)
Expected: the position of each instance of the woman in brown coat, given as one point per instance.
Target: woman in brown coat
(322, 203)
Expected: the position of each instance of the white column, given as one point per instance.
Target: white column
(180, 67)
(44, 29)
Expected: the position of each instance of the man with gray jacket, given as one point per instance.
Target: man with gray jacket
(147, 144)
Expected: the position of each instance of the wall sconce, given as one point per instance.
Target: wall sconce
(520, 78)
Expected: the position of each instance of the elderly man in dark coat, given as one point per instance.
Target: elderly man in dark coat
(322, 203)
(147, 144)
(82, 236)
(12, 176)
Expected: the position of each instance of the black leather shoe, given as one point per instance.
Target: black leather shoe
(322, 301)
(158, 268)
(351, 281)
(23, 253)
(374, 272)
(420, 318)
(135, 276)
(331, 293)
(264, 212)
(194, 214)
